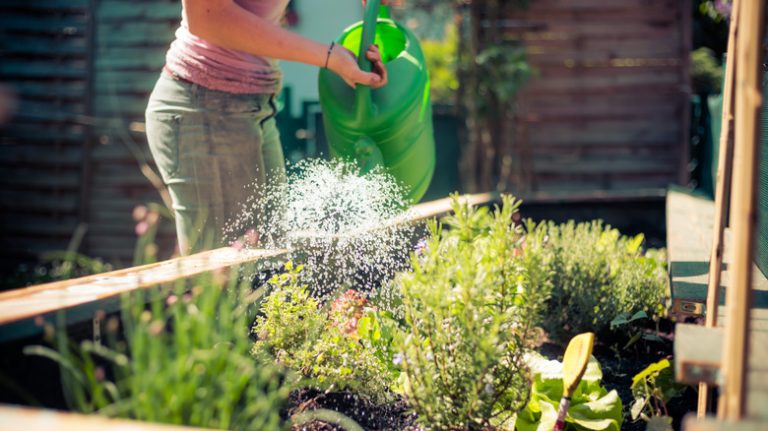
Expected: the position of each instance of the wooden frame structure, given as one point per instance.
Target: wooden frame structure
(736, 364)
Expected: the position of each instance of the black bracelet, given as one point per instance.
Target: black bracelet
(328, 56)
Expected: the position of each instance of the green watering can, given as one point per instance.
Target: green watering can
(390, 126)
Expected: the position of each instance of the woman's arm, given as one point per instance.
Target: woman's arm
(226, 24)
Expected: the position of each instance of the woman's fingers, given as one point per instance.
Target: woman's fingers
(374, 55)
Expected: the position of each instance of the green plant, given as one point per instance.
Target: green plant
(441, 59)
(182, 358)
(468, 303)
(653, 388)
(597, 274)
(323, 343)
(706, 73)
(57, 265)
(592, 406)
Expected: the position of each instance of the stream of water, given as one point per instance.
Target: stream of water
(348, 229)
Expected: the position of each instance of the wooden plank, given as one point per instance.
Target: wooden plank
(632, 133)
(689, 230)
(603, 109)
(49, 89)
(743, 219)
(722, 192)
(28, 302)
(36, 45)
(133, 11)
(32, 156)
(49, 69)
(615, 12)
(598, 165)
(692, 423)
(589, 83)
(122, 81)
(110, 105)
(127, 34)
(589, 5)
(46, 5)
(32, 301)
(26, 179)
(33, 23)
(28, 135)
(698, 353)
(29, 419)
(26, 201)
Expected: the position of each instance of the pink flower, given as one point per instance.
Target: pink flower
(139, 212)
(141, 228)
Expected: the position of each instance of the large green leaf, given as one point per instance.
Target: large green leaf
(592, 407)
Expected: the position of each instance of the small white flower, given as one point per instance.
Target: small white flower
(397, 359)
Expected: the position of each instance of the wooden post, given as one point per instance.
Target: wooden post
(684, 174)
(722, 195)
(743, 205)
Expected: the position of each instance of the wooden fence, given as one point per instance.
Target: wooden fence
(607, 110)
(608, 106)
(74, 153)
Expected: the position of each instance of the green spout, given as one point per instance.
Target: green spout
(368, 155)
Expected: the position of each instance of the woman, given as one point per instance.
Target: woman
(210, 118)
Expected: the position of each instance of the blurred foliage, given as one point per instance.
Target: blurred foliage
(709, 30)
(653, 388)
(328, 346)
(706, 72)
(442, 59)
(57, 265)
(177, 356)
(503, 70)
(597, 274)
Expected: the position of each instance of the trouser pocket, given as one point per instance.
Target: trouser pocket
(163, 130)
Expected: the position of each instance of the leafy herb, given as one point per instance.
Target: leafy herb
(592, 406)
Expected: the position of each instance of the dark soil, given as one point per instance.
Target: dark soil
(393, 416)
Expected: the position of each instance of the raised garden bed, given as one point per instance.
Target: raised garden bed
(447, 343)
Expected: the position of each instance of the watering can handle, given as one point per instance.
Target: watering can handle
(370, 16)
(363, 92)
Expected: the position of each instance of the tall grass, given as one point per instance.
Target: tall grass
(179, 355)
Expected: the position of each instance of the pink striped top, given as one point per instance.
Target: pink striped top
(223, 69)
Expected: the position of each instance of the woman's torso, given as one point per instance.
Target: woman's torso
(223, 69)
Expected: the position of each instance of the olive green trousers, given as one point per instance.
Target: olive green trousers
(211, 148)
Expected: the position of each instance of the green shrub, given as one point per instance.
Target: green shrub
(182, 359)
(706, 73)
(469, 302)
(652, 389)
(597, 274)
(322, 343)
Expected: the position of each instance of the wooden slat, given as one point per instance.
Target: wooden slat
(28, 419)
(28, 302)
(691, 423)
(136, 33)
(600, 61)
(46, 5)
(127, 10)
(32, 301)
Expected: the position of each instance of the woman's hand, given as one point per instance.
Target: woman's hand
(343, 62)
(386, 2)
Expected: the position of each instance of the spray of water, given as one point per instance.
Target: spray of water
(348, 228)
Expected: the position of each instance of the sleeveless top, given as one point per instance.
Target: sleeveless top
(196, 60)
